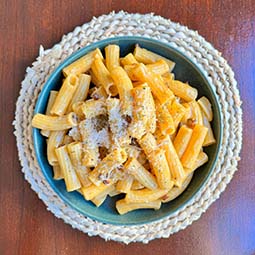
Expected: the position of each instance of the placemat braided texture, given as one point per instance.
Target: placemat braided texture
(214, 67)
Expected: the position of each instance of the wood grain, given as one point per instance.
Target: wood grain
(228, 227)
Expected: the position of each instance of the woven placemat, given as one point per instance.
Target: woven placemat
(213, 66)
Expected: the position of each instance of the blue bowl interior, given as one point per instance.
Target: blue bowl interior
(185, 70)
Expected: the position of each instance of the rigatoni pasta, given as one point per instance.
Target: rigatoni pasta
(161, 169)
(83, 64)
(182, 90)
(65, 95)
(57, 172)
(52, 97)
(155, 82)
(173, 161)
(182, 139)
(124, 86)
(165, 119)
(103, 76)
(129, 59)
(135, 169)
(81, 91)
(54, 123)
(124, 125)
(144, 195)
(55, 140)
(194, 146)
(148, 57)
(71, 180)
(124, 186)
(112, 56)
(123, 206)
(144, 114)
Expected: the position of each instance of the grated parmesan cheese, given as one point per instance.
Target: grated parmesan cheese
(75, 134)
(91, 136)
(118, 124)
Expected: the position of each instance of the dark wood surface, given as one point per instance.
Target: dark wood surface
(26, 227)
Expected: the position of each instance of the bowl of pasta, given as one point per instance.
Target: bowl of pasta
(127, 130)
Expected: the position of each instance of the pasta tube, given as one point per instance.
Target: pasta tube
(129, 70)
(83, 64)
(83, 175)
(149, 57)
(112, 56)
(169, 76)
(194, 146)
(173, 161)
(58, 175)
(177, 111)
(209, 139)
(114, 193)
(182, 90)
(196, 114)
(201, 160)
(91, 156)
(108, 164)
(54, 123)
(103, 76)
(99, 93)
(144, 114)
(52, 97)
(142, 175)
(71, 180)
(159, 67)
(165, 120)
(129, 59)
(65, 95)
(92, 108)
(77, 109)
(123, 207)
(182, 139)
(99, 200)
(177, 191)
(93, 191)
(148, 143)
(155, 82)
(124, 86)
(137, 185)
(75, 153)
(54, 141)
(206, 106)
(94, 79)
(161, 170)
(144, 195)
(81, 91)
(125, 185)
(117, 123)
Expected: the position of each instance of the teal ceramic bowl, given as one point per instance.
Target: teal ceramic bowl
(185, 70)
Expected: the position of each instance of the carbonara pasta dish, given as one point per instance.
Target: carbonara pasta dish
(125, 125)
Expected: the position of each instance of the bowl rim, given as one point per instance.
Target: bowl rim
(78, 54)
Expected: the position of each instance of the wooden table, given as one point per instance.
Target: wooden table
(228, 226)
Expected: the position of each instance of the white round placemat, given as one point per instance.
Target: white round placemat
(213, 66)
